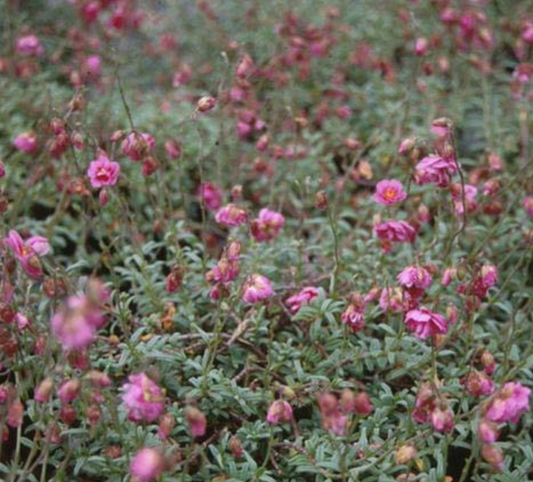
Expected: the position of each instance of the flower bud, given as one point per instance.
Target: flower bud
(493, 456)
(197, 422)
(235, 446)
(205, 104)
(405, 454)
(321, 200)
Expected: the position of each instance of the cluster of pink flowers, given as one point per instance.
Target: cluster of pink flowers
(431, 406)
(143, 398)
(226, 270)
(304, 297)
(335, 412)
(28, 252)
(76, 323)
(435, 169)
(29, 45)
(267, 226)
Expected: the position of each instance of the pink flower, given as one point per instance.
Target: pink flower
(146, 465)
(197, 422)
(391, 299)
(528, 205)
(362, 404)
(509, 403)
(257, 288)
(267, 226)
(102, 171)
(470, 198)
(138, 146)
(44, 390)
(395, 232)
(487, 431)
(442, 419)
(173, 148)
(69, 390)
(448, 276)
(304, 297)
(25, 254)
(489, 275)
(279, 412)
(415, 277)
(22, 322)
(421, 46)
(435, 169)
(225, 271)
(29, 45)
(478, 383)
(493, 455)
(39, 244)
(425, 323)
(354, 313)
(389, 192)
(211, 195)
(26, 142)
(143, 398)
(231, 216)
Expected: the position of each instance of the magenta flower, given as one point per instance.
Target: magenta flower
(25, 253)
(391, 299)
(137, 146)
(211, 195)
(436, 170)
(257, 288)
(146, 465)
(389, 192)
(354, 314)
(69, 390)
(415, 277)
(197, 422)
(231, 216)
(26, 142)
(267, 226)
(509, 403)
(442, 419)
(424, 323)
(103, 172)
(528, 205)
(143, 398)
(279, 412)
(395, 232)
(29, 45)
(304, 297)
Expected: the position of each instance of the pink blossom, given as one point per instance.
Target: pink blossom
(211, 195)
(487, 431)
(489, 275)
(26, 142)
(257, 288)
(143, 398)
(389, 192)
(493, 455)
(406, 145)
(415, 277)
(44, 390)
(22, 322)
(29, 45)
(362, 404)
(231, 216)
(395, 232)
(421, 46)
(425, 323)
(442, 419)
(436, 170)
(39, 244)
(197, 422)
(469, 198)
(279, 412)
(354, 314)
(391, 299)
(147, 465)
(138, 146)
(173, 149)
(528, 205)
(304, 297)
(225, 271)
(448, 276)
(102, 171)
(25, 254)
(68, 391)
(478, 383)
(267, 226)
(508, 403)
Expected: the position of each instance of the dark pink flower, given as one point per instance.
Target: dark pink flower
(29, 45)
(257, 288)
(267, 225)
(143, 398)
(138, 146)
(415, 277)
(354, 314)
(279, 412)
(147, 465)
(509, 403)
(436, 170)
(103, 172)
(211, 195)
(395, 232)
(424, 323)
(26, 142)
(231, 216)
(389, 192)
(304, 297)
(25, 254)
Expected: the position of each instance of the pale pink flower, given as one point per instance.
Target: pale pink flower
(267, 225)
(391, 299)
(138, 146)
(44, 390)
(22, 322)
(103, 172)
(448, 276)
(25, 254)
(389, 192)
(487, 431)
(442, 419)
(147, 465)
(421, 46)
(424, 323)
(39, 244)
(29, 45)
(257, 288)
(143, 398)
(395, 232)
(26, 142)
(69, 390)
(436, 170)
(279, 412)
(415, 277)
(211, 195)
(231, 216)
(304, 297)
(493, 455)
(508, 403)
(197, 422)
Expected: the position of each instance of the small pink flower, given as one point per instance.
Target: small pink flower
(448, 276)
(44, 390)
(147, 465)
(436, 170)
(173, 148)
(469, 201)
(211, 195)
(395, 232)
(528, 205)
(421, 46)
(22, 322)
(489, 275)
(509, 403)
(406, 145)
(304, 297)
(143, 398)
(267, 226)
(103, 172)
(257, 288)
(493, 455)
(138, 146)
(442, 419)
(29, 45)
(26, 142)
(25, 254)
(487, 431)
(415, 277)
(231, 216)
(279, 412)
(354, 313)
(391, 299)
(68, 391)
(93, 66)
(425, 323)
(197, 422)
(225, 271)
(39, 244)
(478, 383)
(389, 192)
(362, 404)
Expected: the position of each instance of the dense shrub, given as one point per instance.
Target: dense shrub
(272, 240)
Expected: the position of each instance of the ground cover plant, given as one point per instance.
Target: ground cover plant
(274, 240)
